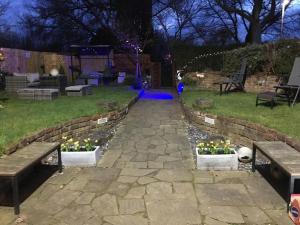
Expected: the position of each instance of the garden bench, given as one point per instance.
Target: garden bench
(282, 155)
(78, 90)
(15, 164)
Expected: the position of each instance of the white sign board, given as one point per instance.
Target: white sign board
(102, 120)
(209, 120)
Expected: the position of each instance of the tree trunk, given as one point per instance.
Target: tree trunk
(254, 33)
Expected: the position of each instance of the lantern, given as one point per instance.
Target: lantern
(2, 57)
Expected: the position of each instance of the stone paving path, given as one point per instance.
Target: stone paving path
(147, 177)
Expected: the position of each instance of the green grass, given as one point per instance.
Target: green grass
(20, 118)
(242, 106)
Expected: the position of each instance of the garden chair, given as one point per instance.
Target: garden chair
(235, 81)
(287, 92)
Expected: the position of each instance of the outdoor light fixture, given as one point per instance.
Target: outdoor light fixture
(2, 57)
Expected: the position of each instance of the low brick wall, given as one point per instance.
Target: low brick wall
(254, 83)
(74, 128)
(238, 131)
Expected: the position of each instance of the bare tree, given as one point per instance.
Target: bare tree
(255, 16)
(179, 19)
(3, 8)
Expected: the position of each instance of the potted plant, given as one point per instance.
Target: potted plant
(76, 153)
(216, 155)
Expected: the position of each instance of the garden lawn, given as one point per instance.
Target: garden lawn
(242, 105)
(20, 118)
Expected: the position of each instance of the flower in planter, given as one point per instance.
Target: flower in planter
(215, 148)
(70, 145)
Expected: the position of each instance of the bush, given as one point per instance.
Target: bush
(189, 80)
(271, 58)
(256, 59)
(129, 79)
(3, 74)
(285, 53)
(275, 58)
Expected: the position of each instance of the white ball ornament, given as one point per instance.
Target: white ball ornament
(54, 72)
(245, 154)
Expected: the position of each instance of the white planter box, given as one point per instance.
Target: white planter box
(217, 162)
(81, 158)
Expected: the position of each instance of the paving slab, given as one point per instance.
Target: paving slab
(254, 215)
(226, 214)
(126, 220)
(131, 206)
(146, 180)
(223, 194)
(136, 192)
(174, 175)
(105, 205)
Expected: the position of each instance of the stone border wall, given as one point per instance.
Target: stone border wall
(74, 128)
(239, 131)
(254, 83)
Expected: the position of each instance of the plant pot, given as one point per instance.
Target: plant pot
(81, 158)
(217, 162)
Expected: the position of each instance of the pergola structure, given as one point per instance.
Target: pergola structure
(89, 52)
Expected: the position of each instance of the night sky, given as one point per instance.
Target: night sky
(17, 8)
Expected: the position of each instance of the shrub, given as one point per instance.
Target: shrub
(272, 58)
(256, 59)
(129, 80)
(3, 74)
(189, 80)
(285, 53)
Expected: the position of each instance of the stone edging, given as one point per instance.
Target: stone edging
(239, 131)
(75, 127)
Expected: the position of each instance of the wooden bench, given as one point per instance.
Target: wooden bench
(78, 90)
(14, 165)
(283, 155)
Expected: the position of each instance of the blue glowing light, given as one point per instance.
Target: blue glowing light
(180, 88)
(157, 96)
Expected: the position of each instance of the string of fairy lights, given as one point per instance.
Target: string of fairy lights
(196, 58)
(192, 61)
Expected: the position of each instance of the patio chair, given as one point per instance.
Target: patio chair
(287, 92)
(235, 81)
